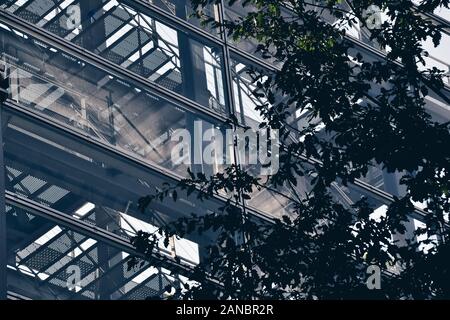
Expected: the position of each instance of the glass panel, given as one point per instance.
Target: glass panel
(275, 200)
(272, 201)
(246, 102)
(183, 10)
(352, 193)
(438, 56)
(74, 178)
(49, 261)
(172, 58)
(108, 109)
(234, 13)
(245, 75)
(243, 89)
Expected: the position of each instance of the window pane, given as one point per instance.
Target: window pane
(49, 261)
(183, 9)
(109, 109)
(56, 170)
(174, 59)
(234, 13)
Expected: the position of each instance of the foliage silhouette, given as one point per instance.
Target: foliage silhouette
(374, 114)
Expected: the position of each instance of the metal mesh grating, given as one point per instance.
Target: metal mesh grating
(45, 257)
(169, 84)
(29, 184)
(112, 24)
(52, 194)
(85, 267)
(14, 172)
(113, 57)
(55, 27)
(29, 16)
(40, 7)
(155, 59)
(52, 252)
(89, 294)
(130, 44)
(121, 13)
(142, 293)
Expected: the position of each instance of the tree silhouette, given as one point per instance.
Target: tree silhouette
(374, 114)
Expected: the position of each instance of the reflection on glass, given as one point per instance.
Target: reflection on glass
(270, 200)
(49, 261)
(107, 108)
(133, 40)
(275, 200)
(234, 13)
(245, 99)
(183, 10)
(54, 170)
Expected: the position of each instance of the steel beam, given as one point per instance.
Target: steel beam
(106, 65)
(3, 237)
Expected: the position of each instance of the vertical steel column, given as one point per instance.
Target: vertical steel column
(193, 75)
(3, 260)
(232, 110)
(227, 64)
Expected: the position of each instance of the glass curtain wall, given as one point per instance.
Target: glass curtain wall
(97, 92)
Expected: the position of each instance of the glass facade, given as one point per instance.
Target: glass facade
(98, 90)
